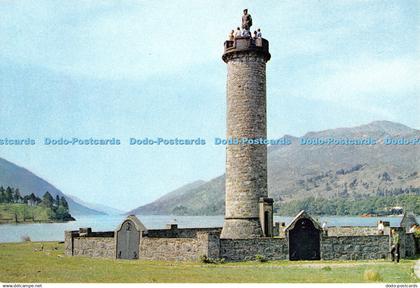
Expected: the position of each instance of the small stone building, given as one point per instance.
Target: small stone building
(408, 220)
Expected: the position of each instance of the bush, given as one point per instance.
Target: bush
(204, 259)
(207, 260)
(371, 275)
(260, 258)
(25, 238)
(417, 233)
(326, 268)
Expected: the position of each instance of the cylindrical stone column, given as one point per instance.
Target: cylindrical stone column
(246, 164)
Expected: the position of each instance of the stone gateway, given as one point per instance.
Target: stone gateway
(128, 236)
(304, 235)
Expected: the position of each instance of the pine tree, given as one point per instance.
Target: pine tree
(35, 200)
(25, 199)
(47, 200)
(9, 195)
(2, 195)
(57, 200)
(64, 204)
(17, 197)
(62, 212)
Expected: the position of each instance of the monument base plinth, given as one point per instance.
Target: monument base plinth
(241, 228)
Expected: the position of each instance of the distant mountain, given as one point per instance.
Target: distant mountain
(160, 206)
(27, 182)
(327, 171)
(298, 171)
(98, 207)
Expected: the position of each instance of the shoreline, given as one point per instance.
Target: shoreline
(34, 222)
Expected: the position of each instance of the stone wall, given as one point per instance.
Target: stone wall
(352, 230)
(407, 246)
(207, 242)
(68, 242)
(93, 244)
(410, 245)
(165, 244)
(168, 248)
(339, 231)
(154, 248)
(354, 247)
(178, 232)
(213, 244)
(246, 249)
(94, 247)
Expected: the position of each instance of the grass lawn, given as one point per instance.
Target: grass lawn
(24, 262)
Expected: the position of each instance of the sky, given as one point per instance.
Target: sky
(123, 69)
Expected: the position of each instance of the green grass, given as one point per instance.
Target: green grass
(24, 213)
(24, 262)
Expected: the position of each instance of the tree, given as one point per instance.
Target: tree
(47, 200)
(62, 211)
(64, 204)
(2, 195)
(17, 197)
(57, 200)
(32, 199)
(9, 195)
(25, 199)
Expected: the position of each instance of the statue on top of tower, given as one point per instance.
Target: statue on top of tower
(246, 20)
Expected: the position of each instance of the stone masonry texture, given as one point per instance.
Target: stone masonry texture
(103, 247)
(247, 249)
(246, 164)
(354, 247)
(208, 242)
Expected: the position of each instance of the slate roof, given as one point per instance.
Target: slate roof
(302, 214)
(139, 226)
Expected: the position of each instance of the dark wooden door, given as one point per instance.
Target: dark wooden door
(304, 241)
(266, 224)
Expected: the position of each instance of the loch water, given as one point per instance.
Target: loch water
(55, 231)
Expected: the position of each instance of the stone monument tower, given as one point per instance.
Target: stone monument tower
(248, 210)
